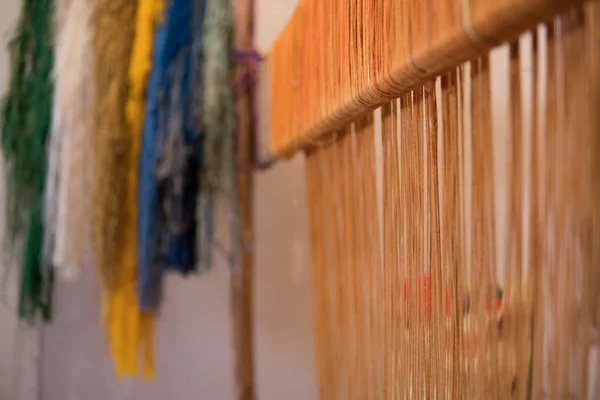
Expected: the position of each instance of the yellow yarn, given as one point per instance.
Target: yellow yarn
(148, 14)
(129, 327)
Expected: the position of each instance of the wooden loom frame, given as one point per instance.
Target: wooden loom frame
(242, 277)
(458, 31)
(461, 30)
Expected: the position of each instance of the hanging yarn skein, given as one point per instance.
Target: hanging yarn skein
(168, 180)
(54, 143)
(67, 221)
(115, 175)
(113, 40)
(218, 170)
(25, 128)
(128, 327)
(149, 290)
(176, 164)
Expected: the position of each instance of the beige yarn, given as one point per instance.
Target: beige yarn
(71, 159)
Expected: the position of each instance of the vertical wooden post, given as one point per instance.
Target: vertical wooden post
(242, 277)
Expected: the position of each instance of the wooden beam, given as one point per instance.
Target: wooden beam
(334, 61)
(242, 278)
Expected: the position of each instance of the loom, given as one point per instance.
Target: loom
(451, 148)
(450, 258)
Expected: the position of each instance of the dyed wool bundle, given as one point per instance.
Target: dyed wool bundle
(167, 182)
(177, 159)
(70, 153)
(113, 38)
(25, 129)
(218, 168)
(451, 258)
(117, 148)
(128, 327)
(53, 152)
(149, 274)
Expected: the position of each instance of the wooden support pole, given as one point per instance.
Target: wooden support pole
(242, 277)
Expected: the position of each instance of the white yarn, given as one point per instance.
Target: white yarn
(54, 144)
(73, 103)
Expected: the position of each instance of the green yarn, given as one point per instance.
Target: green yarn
(218, 180)
(36, 282)
(218, 114)
(25, 127)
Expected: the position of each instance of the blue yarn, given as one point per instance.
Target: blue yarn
(178, 168)
(169, 157)
(149, 277)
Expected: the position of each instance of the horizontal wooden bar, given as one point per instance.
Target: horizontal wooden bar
(338, 59)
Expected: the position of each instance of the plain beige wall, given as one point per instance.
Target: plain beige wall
(8, 321)
(19, 343)
(194, 359)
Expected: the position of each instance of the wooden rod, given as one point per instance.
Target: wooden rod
(242, 277)
(337, 60)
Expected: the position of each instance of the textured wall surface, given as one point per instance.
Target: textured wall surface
(194, 359)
